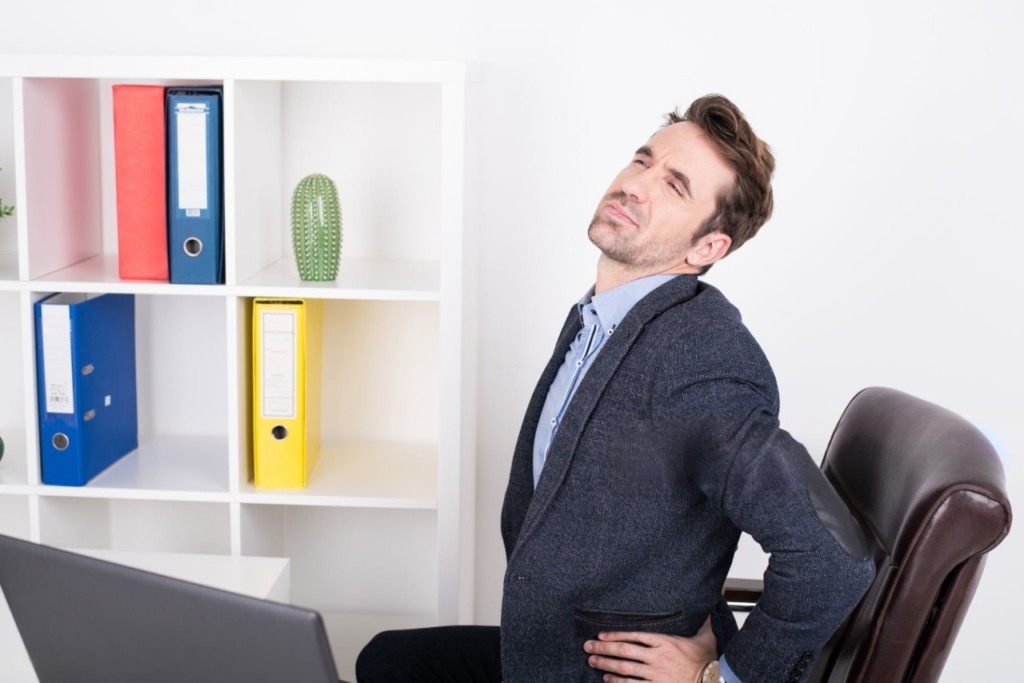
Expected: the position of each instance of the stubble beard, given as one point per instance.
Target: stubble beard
(606, 236)
(621, 244)
(611, 237)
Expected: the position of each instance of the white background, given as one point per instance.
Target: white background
(892, 258)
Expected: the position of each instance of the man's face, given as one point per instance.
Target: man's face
(652, 209)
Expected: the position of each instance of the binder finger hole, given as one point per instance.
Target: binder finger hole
(279, 432)
(193, 246)
(60, 441)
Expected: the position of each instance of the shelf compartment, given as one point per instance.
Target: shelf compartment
(379, 142)
(329, 550)
(379, 404)
(139, 525)
(351, 562)
(181, 379)
(69, 163)
(362, 474)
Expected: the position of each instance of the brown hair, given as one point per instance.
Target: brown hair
(741, 210)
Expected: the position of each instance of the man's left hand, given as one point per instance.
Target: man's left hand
(653, 657)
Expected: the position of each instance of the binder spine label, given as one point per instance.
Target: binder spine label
(278, 372)
(192, 168)
(57, 364)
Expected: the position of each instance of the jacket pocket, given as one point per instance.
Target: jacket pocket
(617, 618)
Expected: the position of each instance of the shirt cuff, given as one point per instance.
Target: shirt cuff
(727, 673)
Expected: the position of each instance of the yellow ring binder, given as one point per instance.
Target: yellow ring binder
(287, 343)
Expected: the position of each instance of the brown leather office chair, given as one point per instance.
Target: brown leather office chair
(929, 491)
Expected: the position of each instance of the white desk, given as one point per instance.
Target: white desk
(259, 577)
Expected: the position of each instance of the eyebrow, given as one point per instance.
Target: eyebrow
(679, 175)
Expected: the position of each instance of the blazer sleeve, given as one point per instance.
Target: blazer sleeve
(767, 484)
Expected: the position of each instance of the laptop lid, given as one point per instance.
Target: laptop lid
(91, 621)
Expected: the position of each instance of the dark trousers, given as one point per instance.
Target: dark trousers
(445, 654)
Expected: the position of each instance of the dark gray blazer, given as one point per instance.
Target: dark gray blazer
(670, 448)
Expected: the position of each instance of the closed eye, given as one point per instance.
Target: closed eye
(642, 162)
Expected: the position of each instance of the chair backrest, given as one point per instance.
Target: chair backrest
(929, 491)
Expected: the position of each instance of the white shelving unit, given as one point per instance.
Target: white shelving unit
(383, 535)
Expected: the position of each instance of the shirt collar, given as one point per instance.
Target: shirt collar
(612, 306)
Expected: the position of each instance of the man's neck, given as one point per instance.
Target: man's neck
(612, 274)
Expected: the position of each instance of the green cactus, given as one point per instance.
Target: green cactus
(316, 228)
(5, 211)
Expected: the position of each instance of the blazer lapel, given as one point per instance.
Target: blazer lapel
(520, 484)
(589, 392)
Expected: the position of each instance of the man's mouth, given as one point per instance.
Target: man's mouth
(615, 211)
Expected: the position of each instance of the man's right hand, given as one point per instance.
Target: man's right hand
(653, 657)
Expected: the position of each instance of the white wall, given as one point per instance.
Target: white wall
(893, 256)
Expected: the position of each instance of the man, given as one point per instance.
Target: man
(651, 441)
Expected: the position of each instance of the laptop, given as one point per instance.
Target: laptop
(89, 621)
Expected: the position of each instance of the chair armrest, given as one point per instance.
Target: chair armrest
(742, 594)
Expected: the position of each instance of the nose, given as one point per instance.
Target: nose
(637, 186)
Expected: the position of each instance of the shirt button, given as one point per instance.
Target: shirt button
(553, 422)
(610, 331)
(579, 363)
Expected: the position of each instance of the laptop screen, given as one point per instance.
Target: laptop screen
(91, 621)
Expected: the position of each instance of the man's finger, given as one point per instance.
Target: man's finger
(623, 650)
(612, 678)
(648, 639)
(616, 666)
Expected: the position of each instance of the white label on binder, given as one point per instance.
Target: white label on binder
(278, 348)
(58, 372)
(192, 156)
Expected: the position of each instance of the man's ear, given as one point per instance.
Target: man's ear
(709, 248)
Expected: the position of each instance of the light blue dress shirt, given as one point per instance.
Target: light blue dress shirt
(599, 316)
